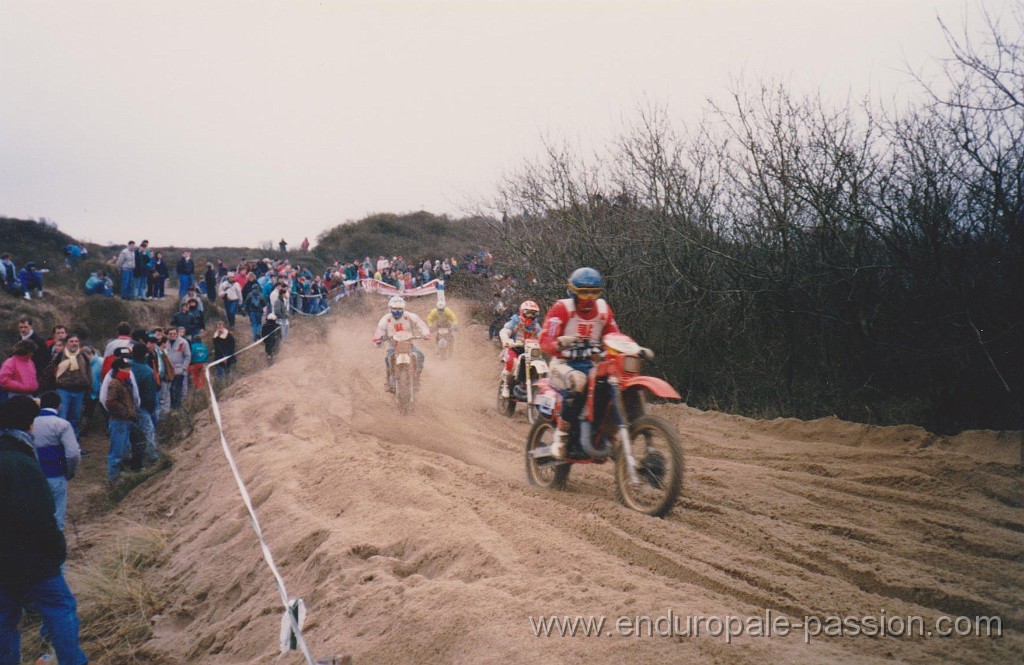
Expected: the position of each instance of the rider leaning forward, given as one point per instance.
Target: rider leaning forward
(571, 334)
(521, 326)
(442, 316)
(398, 320)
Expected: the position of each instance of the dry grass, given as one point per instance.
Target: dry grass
(115, 598)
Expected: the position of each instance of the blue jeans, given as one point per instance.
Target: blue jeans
(59, 489)
(147, 421)
(127, 280)
(177, 390)
(71, 402)
(120, 448)
(230, 309)
(184, 284)
(56, 605)
(139, 287)
(256, 323)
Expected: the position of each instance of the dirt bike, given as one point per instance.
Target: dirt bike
(445, 341)
(529, 369)
(403, 369)
(613, 426)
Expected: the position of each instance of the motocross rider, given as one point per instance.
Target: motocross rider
(572, 332)
(442, 317)
(521, 326)
(398, 320)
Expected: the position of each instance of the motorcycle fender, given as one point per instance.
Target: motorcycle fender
(403, 359)
(652, 384)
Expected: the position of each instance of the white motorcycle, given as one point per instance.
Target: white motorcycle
(404, 369)
(529, 368)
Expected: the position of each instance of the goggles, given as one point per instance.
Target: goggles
(530, 313)
(588, 293)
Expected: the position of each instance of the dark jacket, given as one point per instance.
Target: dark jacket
(149, 389)
(186, 320)
(41, 356)
(160, 267)
(32, 548)
(185, 267)
(224, 347)
(120, 402)
(255, 301)
(75, 381)
(271, 339)
(141, 263)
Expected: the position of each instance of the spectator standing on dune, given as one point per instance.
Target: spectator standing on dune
(18, 373)
(159, 276)
(57, 450)
(120, 397)
(33, 548)
(141, 271)
(180, 355)
(126, 264)
(186, 270)
(73, 379)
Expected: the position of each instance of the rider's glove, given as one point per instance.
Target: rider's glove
(507, 343)
(376, 341)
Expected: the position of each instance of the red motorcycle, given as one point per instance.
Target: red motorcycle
(613, 425)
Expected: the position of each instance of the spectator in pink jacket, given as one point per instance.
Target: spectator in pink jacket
(18, 373)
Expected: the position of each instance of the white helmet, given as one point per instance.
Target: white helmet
(396, 302)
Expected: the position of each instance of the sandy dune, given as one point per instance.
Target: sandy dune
(418, 540)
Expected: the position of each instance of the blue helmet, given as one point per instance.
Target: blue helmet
(586, 283)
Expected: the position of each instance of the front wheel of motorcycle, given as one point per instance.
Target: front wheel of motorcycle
(531, 411)
(506, 405)
(659, 462)
(544, 471)
(403, 390)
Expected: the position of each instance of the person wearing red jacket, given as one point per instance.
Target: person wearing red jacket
(571, 334)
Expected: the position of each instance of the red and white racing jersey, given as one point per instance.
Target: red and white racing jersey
(409, 322)
(564, 319)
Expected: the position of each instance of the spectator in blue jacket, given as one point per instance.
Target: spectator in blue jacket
(31, 280)
(32, 548)
(99, 284)
(57, 450)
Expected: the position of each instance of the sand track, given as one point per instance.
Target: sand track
(416, 540)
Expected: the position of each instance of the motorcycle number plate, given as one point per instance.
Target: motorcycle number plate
(402, 359)
(545, 404)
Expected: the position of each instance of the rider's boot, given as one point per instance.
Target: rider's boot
(506, 378)
(559, 442)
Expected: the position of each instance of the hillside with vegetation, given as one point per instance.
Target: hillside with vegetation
(413, 235)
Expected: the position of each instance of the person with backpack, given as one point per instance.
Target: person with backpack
(200, 356)
(254, 305)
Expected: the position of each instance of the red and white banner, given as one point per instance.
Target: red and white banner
(377, 286)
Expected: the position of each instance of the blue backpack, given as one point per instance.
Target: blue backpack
(200, 353)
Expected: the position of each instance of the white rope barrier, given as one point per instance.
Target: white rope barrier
(293, 608)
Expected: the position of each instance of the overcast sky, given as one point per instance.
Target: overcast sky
(231, 123)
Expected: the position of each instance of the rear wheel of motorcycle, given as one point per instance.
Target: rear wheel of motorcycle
(544, 471)
(403, 390)
(659, 459)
